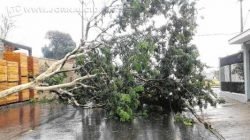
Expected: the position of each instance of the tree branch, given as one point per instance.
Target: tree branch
(70, 84)
(15, 89)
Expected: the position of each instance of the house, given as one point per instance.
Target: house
(235, 70)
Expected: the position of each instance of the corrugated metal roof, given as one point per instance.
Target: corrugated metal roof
(17, 46)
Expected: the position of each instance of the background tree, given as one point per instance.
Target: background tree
(6, 25)
(60, 44)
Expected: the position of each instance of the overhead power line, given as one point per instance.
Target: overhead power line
(218, 34)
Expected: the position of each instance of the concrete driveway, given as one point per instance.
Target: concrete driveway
(231, 120)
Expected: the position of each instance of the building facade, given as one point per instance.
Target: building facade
(235, 70)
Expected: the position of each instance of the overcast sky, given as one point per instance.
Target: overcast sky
(218, 21)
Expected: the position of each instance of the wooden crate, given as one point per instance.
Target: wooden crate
(24, 80)
(11, 98)
(24, 94)
(3, 86)
(20, 58)
(33, 94)
(12, 71)
(33, 66)
(3, 70)
(12, 84)
(24, 71)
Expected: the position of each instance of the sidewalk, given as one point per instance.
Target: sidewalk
(231, 120)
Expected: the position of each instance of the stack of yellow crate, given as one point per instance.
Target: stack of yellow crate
(20, 58)
(9, 78)
(22, 61)
(16, 69)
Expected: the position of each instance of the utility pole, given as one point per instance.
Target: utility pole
(241, 17)
(82, 3)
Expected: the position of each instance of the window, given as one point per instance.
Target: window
(237, 72)
(225, 74)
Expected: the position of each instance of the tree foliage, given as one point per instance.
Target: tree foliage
(60, 44)
(56, 79)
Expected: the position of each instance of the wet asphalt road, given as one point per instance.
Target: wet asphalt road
(62, 122)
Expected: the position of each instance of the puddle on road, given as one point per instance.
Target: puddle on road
(55, 121)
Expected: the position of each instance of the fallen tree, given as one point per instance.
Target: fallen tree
(133, 60)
